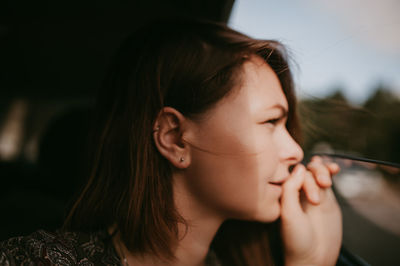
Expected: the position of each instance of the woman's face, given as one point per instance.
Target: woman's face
(250, 149)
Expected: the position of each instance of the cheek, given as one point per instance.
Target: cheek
(235, 184)
(224, 184)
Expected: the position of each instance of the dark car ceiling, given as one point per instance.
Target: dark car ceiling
(61, 48)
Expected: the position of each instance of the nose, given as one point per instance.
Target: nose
(290, 151)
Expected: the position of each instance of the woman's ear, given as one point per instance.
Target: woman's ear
(167, 133)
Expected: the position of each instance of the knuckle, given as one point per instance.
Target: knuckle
(317, 166)
(316, 158)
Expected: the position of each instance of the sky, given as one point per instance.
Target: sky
(349, 44)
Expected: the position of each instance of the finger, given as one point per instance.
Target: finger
(321, 173)
(333, 168)
(311, 189)
(316, 159)
(290, 200)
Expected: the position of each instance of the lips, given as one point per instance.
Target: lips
(278, 182)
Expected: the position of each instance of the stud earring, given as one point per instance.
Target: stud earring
(181, 160)
(157, 129)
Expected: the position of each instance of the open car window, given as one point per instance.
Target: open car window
(368, 192)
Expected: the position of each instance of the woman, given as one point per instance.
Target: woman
(195, 135)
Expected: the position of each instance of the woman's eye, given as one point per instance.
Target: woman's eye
(272, 121)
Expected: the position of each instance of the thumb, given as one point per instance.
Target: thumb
(290, 201)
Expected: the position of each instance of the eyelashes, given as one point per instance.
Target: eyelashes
(275, 121)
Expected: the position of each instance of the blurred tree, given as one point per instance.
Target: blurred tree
(372, 129)
(383, 136)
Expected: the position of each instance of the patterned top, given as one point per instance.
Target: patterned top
(64, 248)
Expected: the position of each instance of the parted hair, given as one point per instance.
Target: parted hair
(189, 65)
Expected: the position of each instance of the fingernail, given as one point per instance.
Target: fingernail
(299, 169)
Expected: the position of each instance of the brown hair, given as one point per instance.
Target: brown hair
(190, 66)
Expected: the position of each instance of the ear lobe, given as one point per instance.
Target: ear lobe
(167, 134)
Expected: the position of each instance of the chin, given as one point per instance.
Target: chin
(269, 214)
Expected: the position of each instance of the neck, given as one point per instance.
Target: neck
(194, 242)
(194, 246)
(202, 226)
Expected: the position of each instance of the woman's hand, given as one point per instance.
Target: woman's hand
(311, 220)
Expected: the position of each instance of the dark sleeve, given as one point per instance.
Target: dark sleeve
(39, 248)
(13, 252)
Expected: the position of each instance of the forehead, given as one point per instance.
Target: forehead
(260, 86)
(256, 97)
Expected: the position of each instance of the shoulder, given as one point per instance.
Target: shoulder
(61, 248)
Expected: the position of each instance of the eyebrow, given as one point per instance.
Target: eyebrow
(283, 110)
